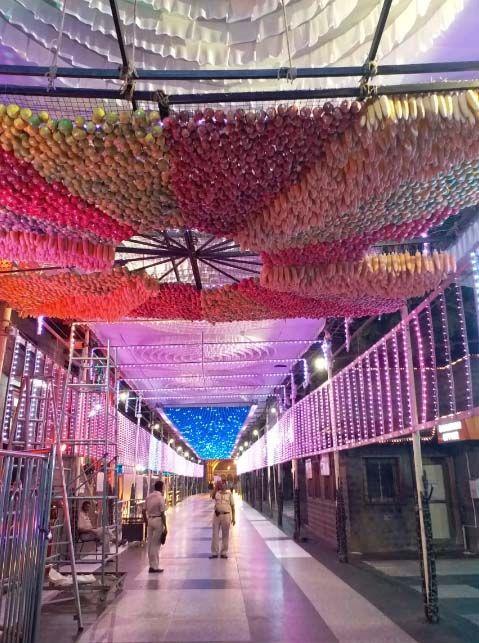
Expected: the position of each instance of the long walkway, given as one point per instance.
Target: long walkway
(270, 589)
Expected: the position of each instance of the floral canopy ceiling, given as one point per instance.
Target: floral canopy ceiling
(275, 209)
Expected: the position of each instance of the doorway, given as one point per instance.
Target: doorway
(440, 504)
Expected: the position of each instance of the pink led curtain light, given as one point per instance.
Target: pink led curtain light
(84, 420)
(34, 427)
(152, 454)
(147, 452)
(371, 396)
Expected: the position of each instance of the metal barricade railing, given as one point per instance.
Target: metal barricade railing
(25, 497)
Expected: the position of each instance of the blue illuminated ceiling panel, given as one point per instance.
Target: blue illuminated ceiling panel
(210, 430)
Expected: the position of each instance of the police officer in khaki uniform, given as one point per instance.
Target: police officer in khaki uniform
(155, 507)
(223, 518)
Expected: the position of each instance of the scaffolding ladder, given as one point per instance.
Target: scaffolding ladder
(34, 427)
(92, 444)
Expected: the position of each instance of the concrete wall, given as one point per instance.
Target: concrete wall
(380, 527)
(322, 519)
(390, 527)
(466, 466)
(321, 504)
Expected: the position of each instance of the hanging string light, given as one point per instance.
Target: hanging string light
(446, 351)
(326, 347)
(464, 342)
(347, 335)
(40, 324)
(306, 374)
(397, 374)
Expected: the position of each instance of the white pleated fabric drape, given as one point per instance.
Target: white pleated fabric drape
(212, 34)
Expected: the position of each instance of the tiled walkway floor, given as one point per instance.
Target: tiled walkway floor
(270, 589)
(458, 580)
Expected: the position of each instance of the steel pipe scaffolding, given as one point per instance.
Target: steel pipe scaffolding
(279, 73)
(240, 97)
(129, 75)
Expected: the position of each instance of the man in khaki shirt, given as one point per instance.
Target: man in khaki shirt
(223, 518)
(155, 507)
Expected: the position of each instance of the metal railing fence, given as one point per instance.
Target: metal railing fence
(25, 498)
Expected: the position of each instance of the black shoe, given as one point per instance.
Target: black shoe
(224, 556)
(155, 571)
(214, 556)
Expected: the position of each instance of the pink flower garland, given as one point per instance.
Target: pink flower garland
(55, 250)
(290, 305)
(226, 166)
(249, 301)
(25, 192)
(173, 301)
(354, 248)
(104, 296)
(370, 180)
(382, 276)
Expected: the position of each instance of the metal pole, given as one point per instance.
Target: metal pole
(383, 16)
(370, 66)
(294, 470)
(417, 454)
(153, 75)
(137, 437)
(261, 493)
(5, 318)
(126, 68)
(280, 499)
(275, 492)
(117, 513)
(242, 97)
(268, 468)
(193, 259)
(296, 505)
(66, 507)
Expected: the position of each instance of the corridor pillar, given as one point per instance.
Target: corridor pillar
(280, 494)
(341, 533)
(296, 500)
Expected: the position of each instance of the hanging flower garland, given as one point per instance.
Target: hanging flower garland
(117, 162)
(24, 192)
(248, 300)
(13, 221)
(117, 294)
(226, 166)
(355, 248)
(404, 157)
(310, 189)
(106, 296)
(30, 247)
(232, 303)
(290, 305)
(172, 301)
(396, 276)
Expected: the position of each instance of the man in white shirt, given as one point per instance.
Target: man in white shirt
(155, 507)
(87, 531)
(223, 518)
